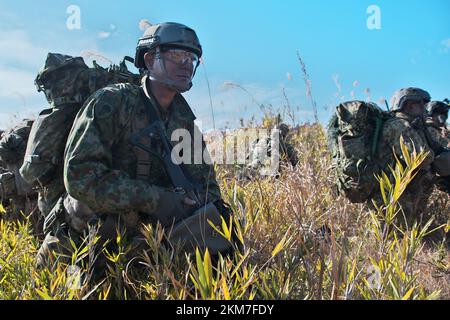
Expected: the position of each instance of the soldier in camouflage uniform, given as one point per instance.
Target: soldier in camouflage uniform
(437, 115)
(288, 153)
(17, 196)
(408, 108)
(261, 149)
(106, 176)
(437, 129)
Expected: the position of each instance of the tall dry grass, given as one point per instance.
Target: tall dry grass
(300, 241)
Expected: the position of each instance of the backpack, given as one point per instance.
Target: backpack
(353, 136)
(14, 142)
(67, 83)
(12, 149)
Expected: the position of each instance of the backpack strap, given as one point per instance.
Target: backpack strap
(143, 140)
(92, 81)
(139, 123)
(376, 135)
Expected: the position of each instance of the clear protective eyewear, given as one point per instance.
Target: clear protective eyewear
(181, 57)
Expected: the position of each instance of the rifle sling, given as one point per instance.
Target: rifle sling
(142, 142)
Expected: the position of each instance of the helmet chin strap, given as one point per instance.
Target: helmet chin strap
(164, 78)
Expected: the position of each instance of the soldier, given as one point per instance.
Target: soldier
(108, 176)
(408, 108)
(261, 149)
(16, 194)
(437, 115)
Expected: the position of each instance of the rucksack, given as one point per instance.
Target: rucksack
(14, 142)
(67, 83)
(353, 136)
(12, 149)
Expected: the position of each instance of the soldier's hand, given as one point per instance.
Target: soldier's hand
(172, 207)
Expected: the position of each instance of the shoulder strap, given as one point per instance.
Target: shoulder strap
(139, 123)
(376, 135)
(178, 174)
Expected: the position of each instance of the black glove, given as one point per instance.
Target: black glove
(172, 208)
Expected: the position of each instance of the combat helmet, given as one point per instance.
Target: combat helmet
(284, 129)
(407, 94)
(437, 107)
(166, 36)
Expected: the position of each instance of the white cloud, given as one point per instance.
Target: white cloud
(16, 48)
(107, 34)
(10, 120)
(104, 34)
(13, 80)
(231, 102)
(20, 60)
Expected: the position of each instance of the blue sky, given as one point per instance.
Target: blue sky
(250, 43)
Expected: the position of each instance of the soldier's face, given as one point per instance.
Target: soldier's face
(180, 64)
(414, 108)
(176, 65)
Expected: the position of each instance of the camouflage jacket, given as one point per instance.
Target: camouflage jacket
(288, 152)
(100, 167)
(14, 142)
(261, 148)
(415, 138)
(439, 134)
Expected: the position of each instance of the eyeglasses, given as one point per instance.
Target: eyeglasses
(180, 56)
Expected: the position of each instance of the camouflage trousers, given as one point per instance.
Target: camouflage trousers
(59, 243)
(63, 241)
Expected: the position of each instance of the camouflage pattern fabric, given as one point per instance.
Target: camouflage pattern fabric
(100, 168)
(43, 165)
(13, 143)
(261, 149)
(353, 138)
(100, 163)
(12, 151)
(415, 197)
(439, 134)
(67, 82)
(17, 196)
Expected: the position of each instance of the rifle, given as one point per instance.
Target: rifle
(177, 173)
(120, 72)
(196, 230)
